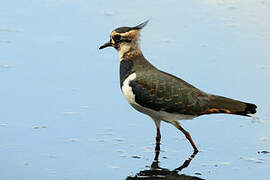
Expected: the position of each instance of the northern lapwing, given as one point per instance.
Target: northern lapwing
(162, 96)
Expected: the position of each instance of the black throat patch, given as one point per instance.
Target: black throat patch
(125, 70)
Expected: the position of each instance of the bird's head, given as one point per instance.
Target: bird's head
(125, 39)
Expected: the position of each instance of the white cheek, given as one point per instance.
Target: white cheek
(123, 49)
(127, 90)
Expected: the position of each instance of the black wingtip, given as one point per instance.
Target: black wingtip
(251, 108)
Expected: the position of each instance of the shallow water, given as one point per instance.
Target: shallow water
(62, 112)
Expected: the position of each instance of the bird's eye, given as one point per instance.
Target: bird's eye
(116, 37)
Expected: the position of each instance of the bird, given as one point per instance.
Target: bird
(160, 95)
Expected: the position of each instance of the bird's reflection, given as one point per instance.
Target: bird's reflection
(156, 172)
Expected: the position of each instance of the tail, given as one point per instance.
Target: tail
(219, 104)
(249, 109)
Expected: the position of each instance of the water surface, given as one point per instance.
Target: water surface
(62, 112)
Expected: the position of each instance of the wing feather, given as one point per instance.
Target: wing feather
(161, 91)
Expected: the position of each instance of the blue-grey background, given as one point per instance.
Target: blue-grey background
(62, 114)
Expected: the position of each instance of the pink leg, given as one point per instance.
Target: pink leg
(157, 148)
(158, 137)
(186, 133)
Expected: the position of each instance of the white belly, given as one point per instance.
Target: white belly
(160, 115)
(127, 90)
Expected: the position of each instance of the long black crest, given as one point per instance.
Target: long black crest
(140, 26)
(126, 29)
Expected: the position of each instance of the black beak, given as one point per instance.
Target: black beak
(107, 44)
